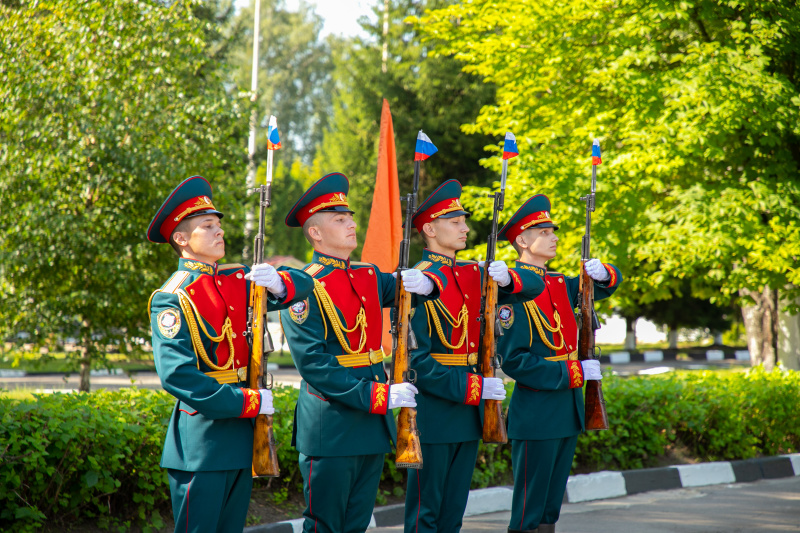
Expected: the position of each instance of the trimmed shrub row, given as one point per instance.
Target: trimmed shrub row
(67, 457)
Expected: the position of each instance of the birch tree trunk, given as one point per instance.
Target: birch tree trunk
(672, 337)
(761, 325)
(789, 337)
(630, 333)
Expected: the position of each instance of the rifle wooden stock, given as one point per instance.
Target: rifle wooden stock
(265, 455)
(494, 426)
(409, 449)
(596, 417)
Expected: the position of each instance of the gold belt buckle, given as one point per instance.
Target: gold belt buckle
(472, 359)
(375, 356)
(241, 373)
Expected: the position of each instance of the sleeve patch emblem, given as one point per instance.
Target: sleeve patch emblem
(169, 322)
(506, 315)
(299, 311)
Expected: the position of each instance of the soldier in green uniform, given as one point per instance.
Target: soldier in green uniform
(198, 318)
(449, 410)
(539, 348)
(342, 426)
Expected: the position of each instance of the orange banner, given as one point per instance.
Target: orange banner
(385, 229)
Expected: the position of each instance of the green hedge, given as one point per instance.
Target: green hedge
(67, 457)
(83, 456)
(713, 416)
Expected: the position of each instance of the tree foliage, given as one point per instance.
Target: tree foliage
(106, 107)
(695, 105)
(294, 74)
(424, 93)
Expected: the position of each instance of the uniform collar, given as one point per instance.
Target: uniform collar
(192, 265)
(527, 266)
(331, 261)
(433, 257)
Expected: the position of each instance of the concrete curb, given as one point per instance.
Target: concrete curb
(654, 356)
(598, 486)
(602, 485)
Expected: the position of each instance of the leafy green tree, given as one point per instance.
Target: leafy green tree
(295, 74)
(425, 93)
(696, 106)
(106, 107)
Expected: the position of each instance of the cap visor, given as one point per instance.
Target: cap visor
(337, 208)
(454, 214)
(204, 212)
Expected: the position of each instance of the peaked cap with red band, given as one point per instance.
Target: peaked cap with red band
(189, 199)
(444, 202)
(329, 193)
(533, 213)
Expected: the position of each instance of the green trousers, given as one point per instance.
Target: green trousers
(541, 470)
(210, 502)
(340, 492)
(436, 494)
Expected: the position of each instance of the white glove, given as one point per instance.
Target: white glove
(402, 395)
(596, 270)
(499, 272)
(591, 369)
(416, 282)
(266, 402)
(493, 389)
(265, 275)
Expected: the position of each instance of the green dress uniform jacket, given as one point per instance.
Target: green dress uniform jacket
(549, 381)
(335, 340)
(546, 412)
(449, 407)
(198, 318)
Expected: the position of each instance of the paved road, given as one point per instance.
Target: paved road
(289, 376)
(762, 506)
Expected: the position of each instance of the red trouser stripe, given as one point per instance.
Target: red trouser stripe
(419, 501)
(525, 484)
(188, 489)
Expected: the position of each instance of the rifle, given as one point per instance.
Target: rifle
(409, 450)
(494, 427)
(595, 405)
(265, 455)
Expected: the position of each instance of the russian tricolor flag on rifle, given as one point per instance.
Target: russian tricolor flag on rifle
(596, 152)
(273, 139)
(510, 146)
(425, 147)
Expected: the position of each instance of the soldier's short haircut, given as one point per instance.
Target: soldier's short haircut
(182, 226)
(517, 247)
(313, 220)
(425, 238)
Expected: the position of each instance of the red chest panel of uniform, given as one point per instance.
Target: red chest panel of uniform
(554, 298)
(351, 289)
(463, 287)
(217, 298)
